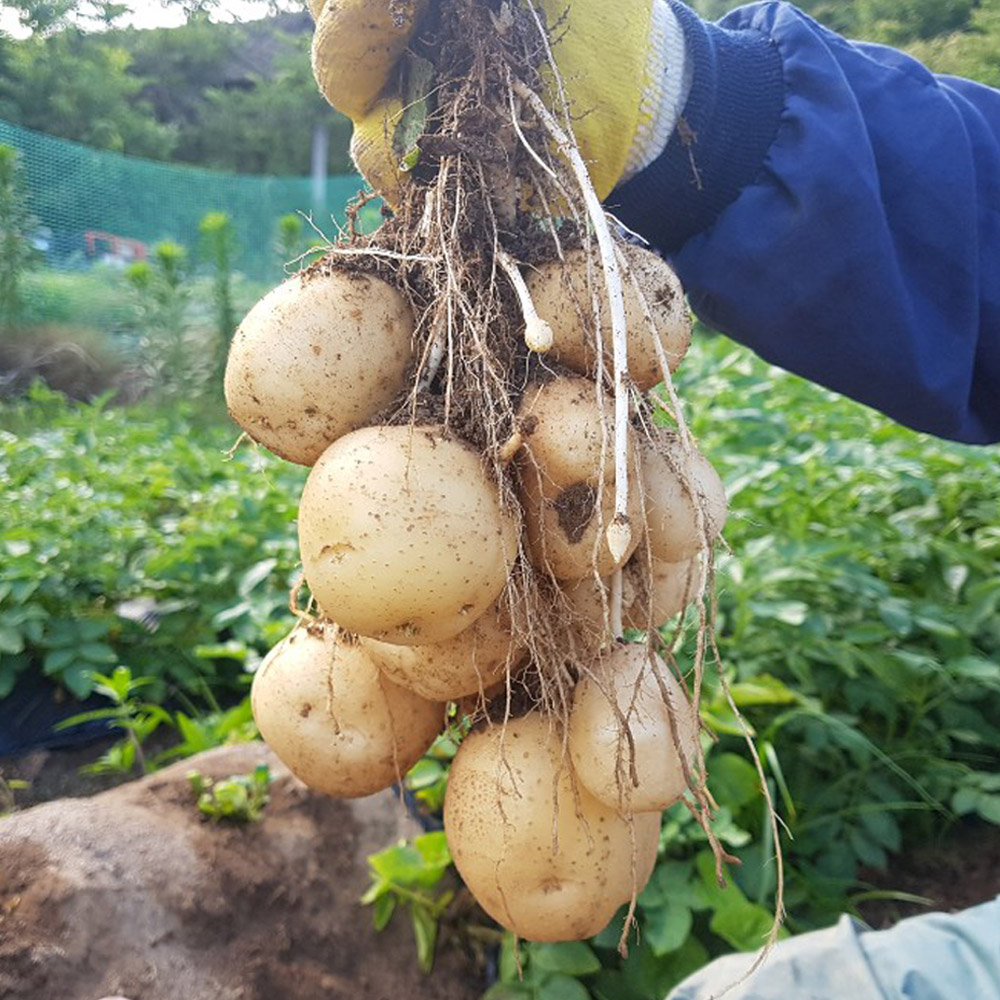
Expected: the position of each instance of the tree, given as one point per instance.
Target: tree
(45, 16)
(78, 86)
(268, 127)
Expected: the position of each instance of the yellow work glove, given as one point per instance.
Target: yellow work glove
(622, 66)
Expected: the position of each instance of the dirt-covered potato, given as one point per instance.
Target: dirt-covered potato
(318, 356)
(672, 524)
(600, 749)
(567, 491)
(561, 296)
(402, 535)
(334, 719)
(469, 664)
(541, 855)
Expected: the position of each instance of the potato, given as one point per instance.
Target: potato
(334, 720)
(672, 586)
(562, 480)
(587, 602)
(402, 535)
(510, 790)
(598, 744)
(318, 356)
(445, 671)
(671, 522)
(561, 296)
(565, 433)
(564, 534)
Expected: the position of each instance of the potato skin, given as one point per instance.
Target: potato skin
(563, 484)
(469, 664)
(597, 744)
(402, 535)
(318, 356)
(671, 522)
(560, 294)
(334, 720)
(503, 794)
(672, 586)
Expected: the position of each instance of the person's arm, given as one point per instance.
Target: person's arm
(836, 207)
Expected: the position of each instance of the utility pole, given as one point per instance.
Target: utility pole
(320, 169)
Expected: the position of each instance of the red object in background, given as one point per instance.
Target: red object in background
(120, 248)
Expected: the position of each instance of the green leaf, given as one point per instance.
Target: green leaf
(11, 640)
(424, 774)
(667, 926)
(786, 612)
(418, 82)
(385, 906)
(561, 987)
(57, 660)
(255, 576)
(96, 653)
(935, 626)
(508, 991)
(509, 971)
(425, 930)
(573, 958)
(231, 650)
(882, 827)
(433, 848)
(732, 780)
(740, 923)
(896, 614)
(80, 682)
(762, 690)
(866, 849)
(611, 984)
(228, 616)
(989, 808)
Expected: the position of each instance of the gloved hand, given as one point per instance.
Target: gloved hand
(622, 65)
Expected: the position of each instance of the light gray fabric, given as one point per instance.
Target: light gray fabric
(933, 957)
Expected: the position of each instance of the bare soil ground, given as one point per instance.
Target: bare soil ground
(961, 871)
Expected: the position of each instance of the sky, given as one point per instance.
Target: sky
(150, 14)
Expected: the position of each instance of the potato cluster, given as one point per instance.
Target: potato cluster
(408, 547)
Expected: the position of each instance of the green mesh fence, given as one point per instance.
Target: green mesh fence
(97, 206)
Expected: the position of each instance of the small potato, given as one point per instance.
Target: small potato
(671, 518)
(599, 747)
(565, 432)
(334, 720)
(445, 671)
(541, 855)
(672, 587)
(565, 532)
(562, 298)
(587, 602)
(402, 535)
(318, 356)
(565, 484)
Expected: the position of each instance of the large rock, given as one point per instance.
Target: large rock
(131, 892)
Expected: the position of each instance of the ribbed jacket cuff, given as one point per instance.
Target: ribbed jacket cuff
(718, 148)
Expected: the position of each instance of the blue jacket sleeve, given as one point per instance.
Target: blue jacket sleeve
(836, 207)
